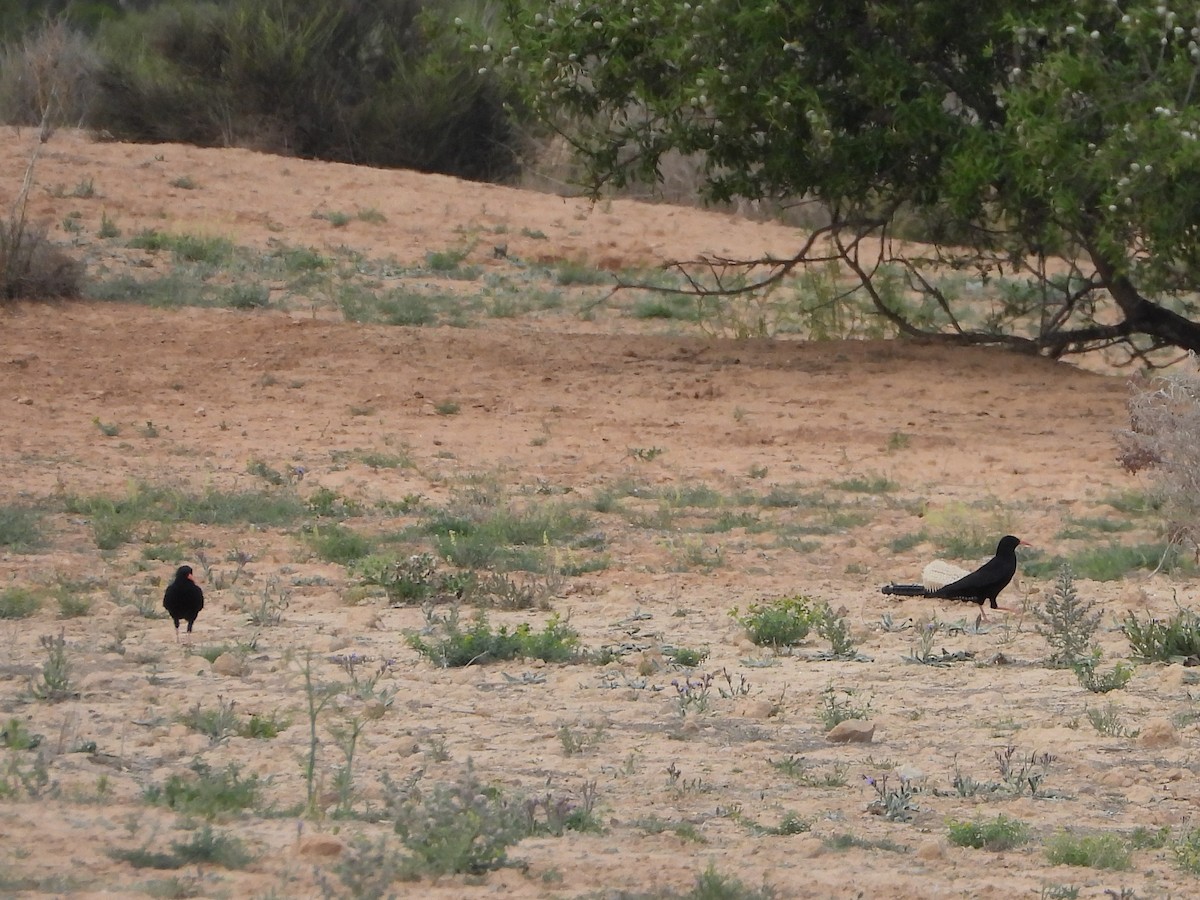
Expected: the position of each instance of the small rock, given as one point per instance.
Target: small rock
(756, 709)
(25, 401)
(320, 845)
(1158, 733)
(374, 709)
(231, 664)
(852, 731)
(931, 850)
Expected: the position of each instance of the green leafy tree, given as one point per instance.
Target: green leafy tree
(1050, 146)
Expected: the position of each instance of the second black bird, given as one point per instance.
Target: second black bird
(183, 599)
(984, 584)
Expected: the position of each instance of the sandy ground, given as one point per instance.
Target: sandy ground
(874, 441)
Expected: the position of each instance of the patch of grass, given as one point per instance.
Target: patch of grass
(1096, 851)
(1090, 677)
(447, 408)
(215, 848)
(777, 623)
(1156, 640)
(846, 841)
(866, 484)
(1113, 562)
(684, 830)
(73, 606)
(18, 603)
(967, 532)
(666, 306)
(1000, 833)
(114, 520)
(570, 272)
(474, 535)
(479, 643)
(214, 251)
(20, 528)
(687, 657)
(206, 793)
(336, 543)
(216, 723)
(379, 460)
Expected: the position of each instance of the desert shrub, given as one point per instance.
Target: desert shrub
(461, 826)
(1001, 833)
(1067, 623)
(32, 267)
(19, 527)
(50, 72)
(206, 793)
(1161, 640)
(1097, 851)
(378, 84)
(1164, 439)
(777, 623)
(18, 603)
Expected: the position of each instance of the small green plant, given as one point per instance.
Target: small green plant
(838, 706)
(206, 793)
(896, 804)
(1107, 721)
(1096, 851)
(645, 454)
(18, 603)
(1156, 640)
(1089, 675)
(217, 723)
(55, 683)
(336, 543)
(19, 528)
(447, 408)
(866, 484)
(777, 623)
(1067, 623)
(836, 630)
(1186, 851)
(688, 657)
(108, 227)
(692, 695)
(577, 741)
(406, 581)
(1001, 833)
(73, 606)
(208, 846)
(478, 643)
(108, 429)
(16, 736)
(798, 768)
(461, 826)
(273, 601)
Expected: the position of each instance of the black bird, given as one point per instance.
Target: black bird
(183, 599)
(985, 583)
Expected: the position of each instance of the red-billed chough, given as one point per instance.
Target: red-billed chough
(985, 583)
(183, 599)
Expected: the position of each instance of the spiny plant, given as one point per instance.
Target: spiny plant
(1067, 622)
(459, 826)
(55, 683)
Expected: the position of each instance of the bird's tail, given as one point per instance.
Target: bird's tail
(905, 590)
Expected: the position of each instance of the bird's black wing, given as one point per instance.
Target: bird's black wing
(985, 583)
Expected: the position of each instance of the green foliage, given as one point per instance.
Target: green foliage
(1186, 851)
(1001, 833)
(55, 683)
(206, 793)
(462, 826)
(478, 643)
(1067, 623)
(838, 706)
(337, 544)
(1089, 675)
(18, 603)
(1156, 640)
(376, 84)
(1097, 851)
(997, 132)
(834, 629)
(20, 528)
(777, 623)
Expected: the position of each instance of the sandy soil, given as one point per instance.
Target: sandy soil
(874, 441)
